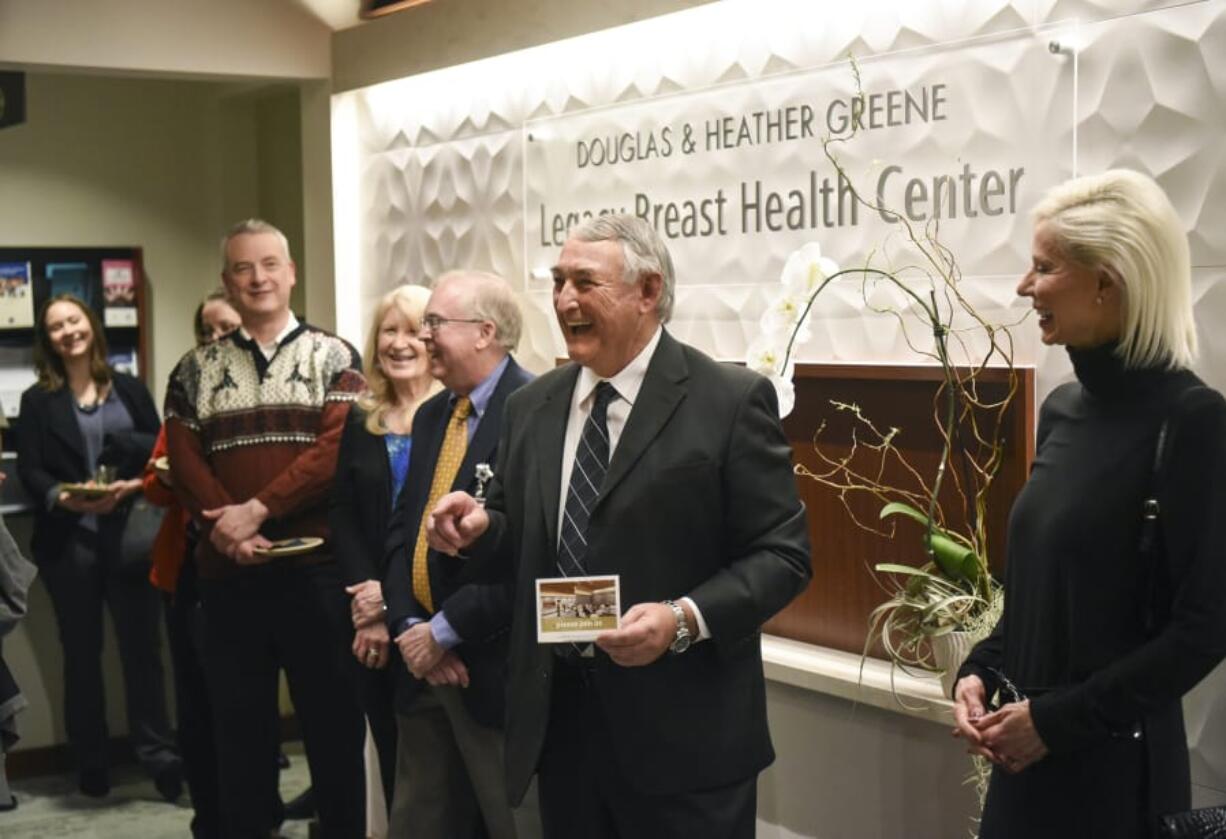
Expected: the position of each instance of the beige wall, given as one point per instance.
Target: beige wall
(444, 34)
(163, 165)
(315, 125)
(119, 162)
(255, 38)
(123, 147)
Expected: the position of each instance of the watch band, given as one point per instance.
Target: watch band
(681, 641)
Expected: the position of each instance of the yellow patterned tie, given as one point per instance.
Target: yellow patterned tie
(455, 444)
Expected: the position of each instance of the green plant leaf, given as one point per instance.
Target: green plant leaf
(899, 508)
(909, 571)
(956, 560)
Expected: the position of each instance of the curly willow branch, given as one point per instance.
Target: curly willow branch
(970, 426)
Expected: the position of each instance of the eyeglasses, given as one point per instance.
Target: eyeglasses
(433, 322)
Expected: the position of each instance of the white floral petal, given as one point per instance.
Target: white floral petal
(786, 394)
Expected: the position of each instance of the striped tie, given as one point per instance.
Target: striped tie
(455, 444)
(586, 479)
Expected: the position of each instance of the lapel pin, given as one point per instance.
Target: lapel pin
(484, 474)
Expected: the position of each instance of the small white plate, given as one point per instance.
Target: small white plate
(291, 547)
(86, 490)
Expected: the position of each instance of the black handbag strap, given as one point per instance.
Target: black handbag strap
(1150, 508)
(1149, 542)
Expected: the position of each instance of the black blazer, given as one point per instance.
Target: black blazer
(699, 501)
(51, 450)
(361, 503)
(478, 610)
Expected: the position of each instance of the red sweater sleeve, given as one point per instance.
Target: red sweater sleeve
(156, 491)
(195, 484)
(308, 479)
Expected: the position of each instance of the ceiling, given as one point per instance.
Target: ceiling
(336, 14)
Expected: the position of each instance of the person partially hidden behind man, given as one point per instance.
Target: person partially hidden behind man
(646, 459)
(450, 628)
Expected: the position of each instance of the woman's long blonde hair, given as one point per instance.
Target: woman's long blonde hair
(379, 398)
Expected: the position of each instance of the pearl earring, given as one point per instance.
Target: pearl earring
(1099, 300)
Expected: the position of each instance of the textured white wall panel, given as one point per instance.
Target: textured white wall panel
(1152, 96)
(1205, 718)
(1047, 11)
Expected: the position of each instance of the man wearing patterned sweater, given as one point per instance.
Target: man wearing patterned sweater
(253, 425)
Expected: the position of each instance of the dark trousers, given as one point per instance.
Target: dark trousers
(289, 617)
(193, 710)
(584, 792)
(80, 582)
(376, 692)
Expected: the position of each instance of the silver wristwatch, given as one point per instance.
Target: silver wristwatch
(681, 642)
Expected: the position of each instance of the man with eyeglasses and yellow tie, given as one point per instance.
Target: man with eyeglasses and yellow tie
(451, 630)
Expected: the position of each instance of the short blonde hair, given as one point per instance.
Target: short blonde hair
(410, 301)
(1123, 223)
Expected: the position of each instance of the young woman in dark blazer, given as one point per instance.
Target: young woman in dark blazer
(371, 467)
(79, 416)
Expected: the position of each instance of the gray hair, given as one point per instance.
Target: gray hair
(250, 226)
(492, 300)
(643, 252)
(1123, 223)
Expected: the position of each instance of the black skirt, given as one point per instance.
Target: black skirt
(1099, 792)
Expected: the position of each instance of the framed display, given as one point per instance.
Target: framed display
(110, 280)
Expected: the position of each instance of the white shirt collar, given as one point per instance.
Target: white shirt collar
(627, 382)
(270, 349)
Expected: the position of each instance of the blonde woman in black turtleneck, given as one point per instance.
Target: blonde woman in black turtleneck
(1100, 640)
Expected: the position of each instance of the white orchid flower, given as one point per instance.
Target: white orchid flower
(805, 270)
(765, 356)
(785, 322)
(785, 391)
(782, 318)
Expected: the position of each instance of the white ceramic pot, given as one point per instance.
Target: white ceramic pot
(950, 650)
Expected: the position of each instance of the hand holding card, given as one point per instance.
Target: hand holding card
(571, 609)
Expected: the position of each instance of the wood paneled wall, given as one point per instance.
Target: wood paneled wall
(833, 611)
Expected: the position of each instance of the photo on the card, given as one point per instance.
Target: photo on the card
(576, 608)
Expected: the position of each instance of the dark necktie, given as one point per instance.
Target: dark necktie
(586, 480)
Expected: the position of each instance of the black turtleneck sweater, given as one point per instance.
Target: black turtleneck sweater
(1076, 586)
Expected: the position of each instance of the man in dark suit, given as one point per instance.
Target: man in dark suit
(647, 459)
(451, 629)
